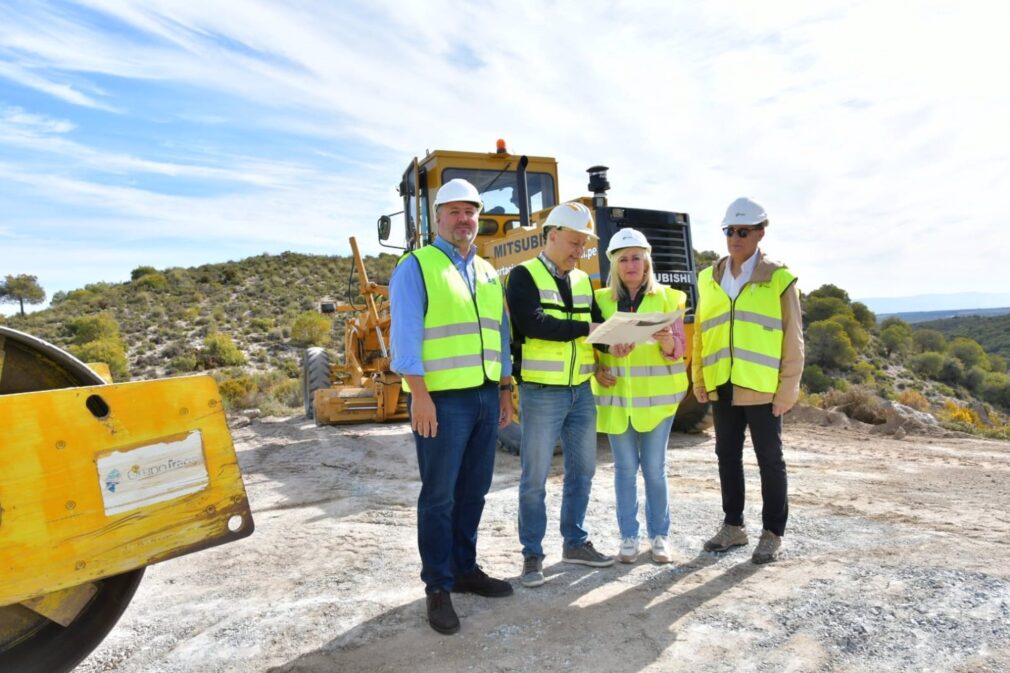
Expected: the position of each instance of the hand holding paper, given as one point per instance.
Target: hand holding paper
(632, 328)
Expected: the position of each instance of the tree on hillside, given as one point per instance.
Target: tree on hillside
(857, 335)
(929, 340)
(864, 315)
(828, 345)
(830, 290)
(20, 289)
(896, 337)
(822, 308)
(969, 352)
(705, 259)
(928, 364)
(94, 327)
(952, 371)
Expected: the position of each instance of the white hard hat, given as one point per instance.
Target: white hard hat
(744, 211)
(457, 189)
(574, 216)
(627, 238)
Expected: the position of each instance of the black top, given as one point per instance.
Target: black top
(528, 318)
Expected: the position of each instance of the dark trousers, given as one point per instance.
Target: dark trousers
(456, 468)
(766, 435)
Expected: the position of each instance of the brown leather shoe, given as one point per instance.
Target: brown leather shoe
(441, 614)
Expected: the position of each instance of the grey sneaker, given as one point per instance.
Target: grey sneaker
(587, 555)
(533, 572)
(768, 548)
(727, 538)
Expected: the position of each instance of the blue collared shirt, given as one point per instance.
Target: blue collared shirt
(406, 301)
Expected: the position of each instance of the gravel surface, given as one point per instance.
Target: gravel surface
(894, 560)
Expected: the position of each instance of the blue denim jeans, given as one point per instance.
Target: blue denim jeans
(547, 413)
(456, 468)
(648, 449)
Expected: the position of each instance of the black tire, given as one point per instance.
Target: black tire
(48, 647)
(315, 376)
(36, 644)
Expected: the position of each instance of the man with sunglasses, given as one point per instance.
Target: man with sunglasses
(748, 362)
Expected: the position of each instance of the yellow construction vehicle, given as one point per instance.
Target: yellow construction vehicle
(365, 389)
(518, 193)
(98, 481)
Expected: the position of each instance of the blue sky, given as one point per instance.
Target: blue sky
(180, 133)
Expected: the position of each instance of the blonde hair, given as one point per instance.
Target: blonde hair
(617, 289)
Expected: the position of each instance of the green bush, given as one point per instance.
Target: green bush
(142, 271)
(857, 335)
(828, 345)
(271, 392)
(822, 308)
(927, 340)
(952, 372)
(863, 372)
(94, 327)
(969, 352)
(829, 290)
(864, 315)
(927, 364)
(311, 329)
(973, 378)
(815, 380)
(995, 389)
(220, 351)
(185, 363)
(153, 281)
(108, 350)
(896, 337)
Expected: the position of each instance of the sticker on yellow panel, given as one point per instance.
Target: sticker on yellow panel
(154, 473)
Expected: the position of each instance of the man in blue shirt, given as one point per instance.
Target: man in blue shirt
(456, 406)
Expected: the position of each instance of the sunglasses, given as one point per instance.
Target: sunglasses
(742, 233)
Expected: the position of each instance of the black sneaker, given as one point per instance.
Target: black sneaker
(477, 582)
(441, 614)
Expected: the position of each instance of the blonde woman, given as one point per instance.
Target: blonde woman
(637, 395)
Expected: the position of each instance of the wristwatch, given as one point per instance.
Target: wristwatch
(505, 386)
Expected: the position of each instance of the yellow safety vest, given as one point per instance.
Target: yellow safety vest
(649, 385)
(565, 363)
(741, 341)
(462, 332)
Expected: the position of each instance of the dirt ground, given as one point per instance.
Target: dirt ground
(895, 559)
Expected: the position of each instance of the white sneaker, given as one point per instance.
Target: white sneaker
(629, 550)
(661, 549)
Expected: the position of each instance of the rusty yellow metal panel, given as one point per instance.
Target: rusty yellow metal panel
(95, 481)
(102, 369)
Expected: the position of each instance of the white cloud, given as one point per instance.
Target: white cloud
(873, 132)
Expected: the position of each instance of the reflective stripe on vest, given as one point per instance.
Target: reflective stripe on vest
(741, 341)
(462, 334)
(649, 385)
(565, 363)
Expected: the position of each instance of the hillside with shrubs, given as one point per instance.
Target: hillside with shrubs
(855, 363)
(248, 323)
